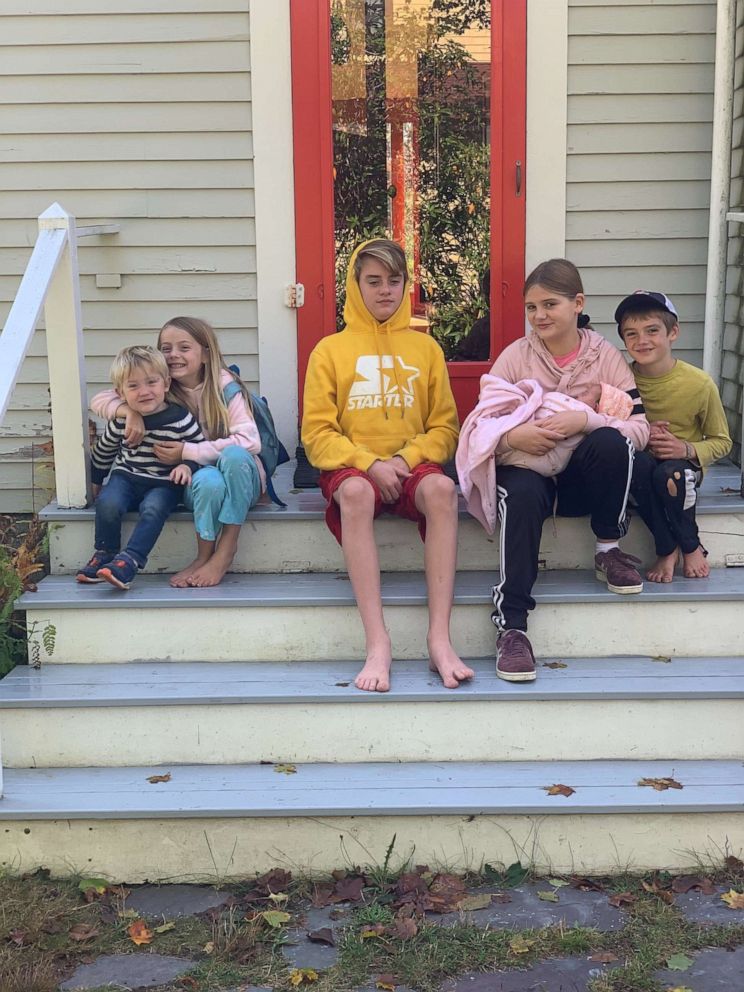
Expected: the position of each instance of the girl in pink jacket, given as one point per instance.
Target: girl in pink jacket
(564, 355)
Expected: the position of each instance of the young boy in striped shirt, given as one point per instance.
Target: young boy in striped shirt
(137, 481)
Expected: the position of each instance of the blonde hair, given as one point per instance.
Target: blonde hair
(389, 253)
(138, 356)
(215, 418)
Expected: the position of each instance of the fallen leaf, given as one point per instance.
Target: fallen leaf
(471, 903)
(18, 937)
(554, 664)
(405, 928)
(139, 933)
(655, 889)
(521, 946)
(153, 779)
(322, 936)
(684, 883)
(661, 784)
(622, 899)
(734, 864)
(83, 931)
(286, 770)
(96, 886)
(663, 658)
(348, 890)
(373, 932)
(559, 790)
(274, 880)
(299, 975)
(548, 896)
(343, 685)
(679, 962)
(585, 884)
(187, 982)
(733, 899)
(603, 957)
(129, 914)
(275, 917)
(558, 883)
(445, 893)
(165, 927)
(278, 898)
(387, 982)
(501, 897)
(209, 947)
(678, 988)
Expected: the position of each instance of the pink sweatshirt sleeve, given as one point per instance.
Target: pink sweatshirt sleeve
(243, 433)
(615, 371)
(106, 403)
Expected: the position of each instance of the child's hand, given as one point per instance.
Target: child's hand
(664, 445)
(385, 476)
(534, 439)
(134, 426)
(181, 475)
(566, 424)
(95, 489)
(401, 467)
(169, 452)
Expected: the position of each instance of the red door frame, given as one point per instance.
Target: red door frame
(313, 174)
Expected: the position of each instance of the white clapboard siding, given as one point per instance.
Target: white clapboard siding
(640, 102)
(733, 341)
(138, 114)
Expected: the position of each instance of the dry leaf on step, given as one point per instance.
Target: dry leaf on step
(661, 784)
(559, 790)
(153, 779)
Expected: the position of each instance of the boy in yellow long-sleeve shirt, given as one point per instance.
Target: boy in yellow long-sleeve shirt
(688, 433)
(380, 421)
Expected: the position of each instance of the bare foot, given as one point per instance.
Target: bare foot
(695, 565)
(444, 659)
(375, 676)
(211, 572)
(180, 579)
(663, 569)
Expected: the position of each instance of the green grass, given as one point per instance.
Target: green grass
(236, 946)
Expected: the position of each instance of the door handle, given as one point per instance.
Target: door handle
(519, 178)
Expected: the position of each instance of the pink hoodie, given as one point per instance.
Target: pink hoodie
(242, 426)
(598, 362)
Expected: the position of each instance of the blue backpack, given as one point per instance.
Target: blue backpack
(273, 452)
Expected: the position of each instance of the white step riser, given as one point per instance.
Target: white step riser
(222, 848)
(555, 730)
(269, 545)
(624, 626)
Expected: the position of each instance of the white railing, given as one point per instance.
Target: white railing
(51, 281)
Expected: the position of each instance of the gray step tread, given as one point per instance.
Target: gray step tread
(376, 789)
(304, 504)
(334, 589)
(303, 682)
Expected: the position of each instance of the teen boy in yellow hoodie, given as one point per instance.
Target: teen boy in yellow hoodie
(379, 421)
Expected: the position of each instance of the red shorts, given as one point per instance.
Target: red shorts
(404, 506)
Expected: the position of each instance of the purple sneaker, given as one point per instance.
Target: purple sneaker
(515, 661)
(618, 570)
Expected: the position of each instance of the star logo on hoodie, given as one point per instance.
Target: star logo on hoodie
(375, 382)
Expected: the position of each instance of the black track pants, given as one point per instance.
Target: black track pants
(665, 493)
(595, 482)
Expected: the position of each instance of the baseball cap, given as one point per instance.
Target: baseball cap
(644, 299)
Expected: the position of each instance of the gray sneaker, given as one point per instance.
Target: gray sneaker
(515, 661)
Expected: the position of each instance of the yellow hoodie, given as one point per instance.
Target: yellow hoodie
(376, 390)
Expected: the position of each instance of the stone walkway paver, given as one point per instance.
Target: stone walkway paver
(301, 952)
(127, 971)
(714, 970)
(526, 910)
(553, 975)
(701, 908)
(172, 901)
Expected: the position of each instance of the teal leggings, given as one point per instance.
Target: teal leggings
(223, 493)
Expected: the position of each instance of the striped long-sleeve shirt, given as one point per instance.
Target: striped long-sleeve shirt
(172, 424)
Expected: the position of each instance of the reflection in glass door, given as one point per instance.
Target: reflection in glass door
(411, 109)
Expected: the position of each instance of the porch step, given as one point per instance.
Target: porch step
(236, 819)
(297, 540)
(212, 713)
(313, 617)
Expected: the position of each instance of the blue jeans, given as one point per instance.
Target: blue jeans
(223, 493)
(124, 493)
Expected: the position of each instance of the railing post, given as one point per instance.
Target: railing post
(64, 336)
